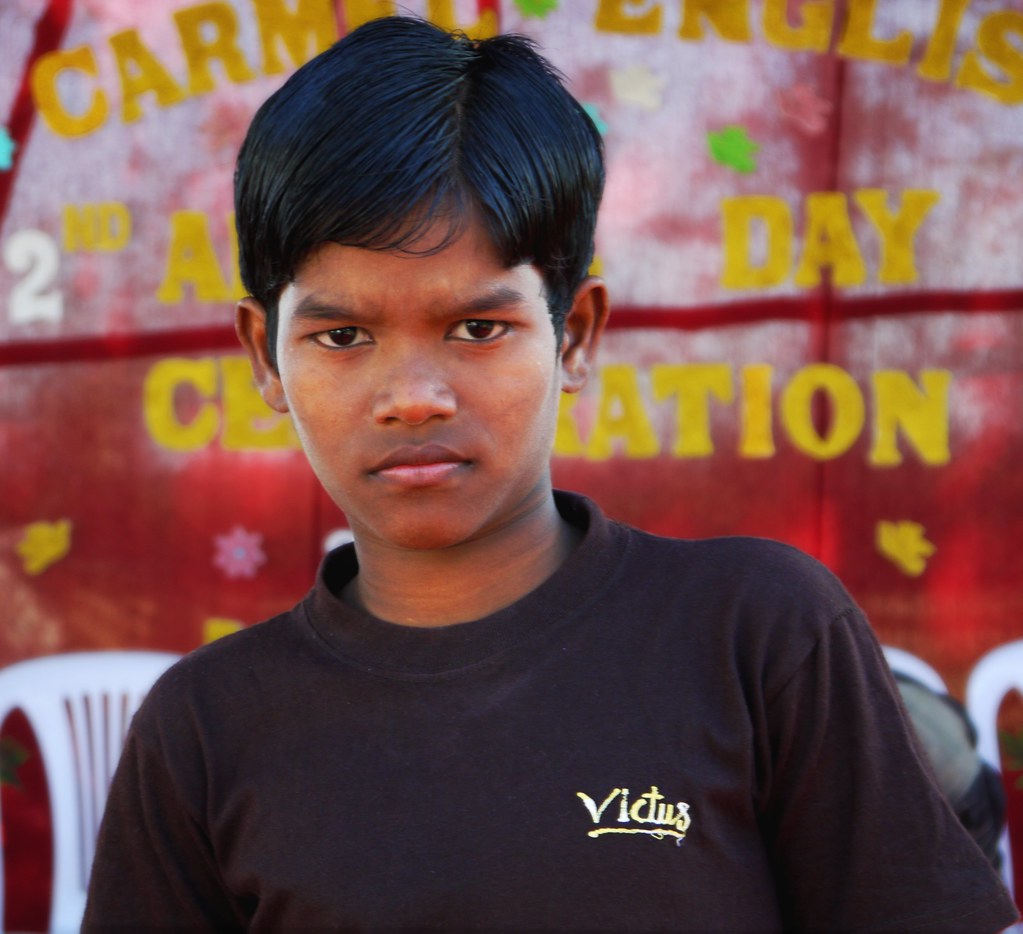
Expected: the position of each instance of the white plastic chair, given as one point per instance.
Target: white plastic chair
(993, 678)
(909, 664)
(79, 705)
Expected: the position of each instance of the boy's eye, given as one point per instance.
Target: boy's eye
(342, 337)
(476, 329)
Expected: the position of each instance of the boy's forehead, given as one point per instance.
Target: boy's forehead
(467, 270)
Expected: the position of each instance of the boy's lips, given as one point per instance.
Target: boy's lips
(419, 465)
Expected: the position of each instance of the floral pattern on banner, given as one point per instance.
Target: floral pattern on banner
(239, 553)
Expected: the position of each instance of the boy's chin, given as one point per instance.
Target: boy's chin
(417, 533)
(435, 520)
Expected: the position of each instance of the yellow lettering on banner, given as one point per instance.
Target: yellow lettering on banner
(158, 403)
(358, 12)
(857, 40)
(921, 412)
(621, 415)
(310, 20)
(692, 384)
(847, 410)
(192, 259)
(105, 226)
(635, 16)
(756, 438)
(730, 19)
(249, 423)
(936, 65)
(442, 12)
(829, 241)
(298, 29)
(567, 442)
(898, 263)
(993, 44)
(209, 32)
(226, 404)
(141, 73)
(80, 227)
(814, 32)
(43, 81)
(737, 217)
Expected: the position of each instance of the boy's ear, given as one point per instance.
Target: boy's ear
(584, 326)
(250, 325)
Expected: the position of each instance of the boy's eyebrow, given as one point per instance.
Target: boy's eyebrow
(499, 296)
(313, 307)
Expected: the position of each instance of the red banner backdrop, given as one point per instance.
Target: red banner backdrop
(812, 236)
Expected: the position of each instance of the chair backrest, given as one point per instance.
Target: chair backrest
(79, 705)
(993, 678)
(908, 664)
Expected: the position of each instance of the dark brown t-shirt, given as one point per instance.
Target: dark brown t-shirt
(665, 735)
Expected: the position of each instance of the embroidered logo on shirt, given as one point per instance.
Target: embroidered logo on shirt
(659, 818)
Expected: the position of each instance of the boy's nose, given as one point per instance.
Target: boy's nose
(413, 394)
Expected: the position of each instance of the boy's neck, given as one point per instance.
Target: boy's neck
(463, 583)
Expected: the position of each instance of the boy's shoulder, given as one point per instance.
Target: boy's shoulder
(249, 643)
(751, 581)
(764, 567)
(756, 602)
(242, 664)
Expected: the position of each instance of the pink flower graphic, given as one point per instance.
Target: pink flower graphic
(804, 107)
(239, 553)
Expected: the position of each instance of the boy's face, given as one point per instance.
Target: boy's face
(424, 388)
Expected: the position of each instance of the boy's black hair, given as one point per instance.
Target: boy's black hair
(400, 124)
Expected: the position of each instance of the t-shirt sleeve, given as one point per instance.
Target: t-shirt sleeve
(154, 866)
(859, 835)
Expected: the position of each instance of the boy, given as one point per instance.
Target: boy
(497, 709)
